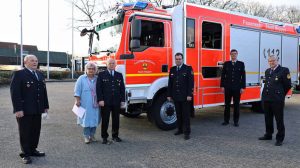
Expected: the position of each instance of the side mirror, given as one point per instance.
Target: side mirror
(136, 29)
(83, 32)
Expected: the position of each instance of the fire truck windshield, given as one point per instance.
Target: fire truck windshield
(109, 36)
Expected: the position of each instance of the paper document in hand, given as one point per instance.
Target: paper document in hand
(79, 111)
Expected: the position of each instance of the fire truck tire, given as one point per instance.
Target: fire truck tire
(257, 107)
(163, 113)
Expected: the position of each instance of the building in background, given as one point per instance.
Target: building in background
(10, 56)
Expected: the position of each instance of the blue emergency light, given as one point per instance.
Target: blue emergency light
(140, 5)
(298, 29)
(136, 5)
(128, 4)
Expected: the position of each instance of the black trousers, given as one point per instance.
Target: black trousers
(183, 116)
(115, 114)
(29, 132)
(236, 95)
(272, 109)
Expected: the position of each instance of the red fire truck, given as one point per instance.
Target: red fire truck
(143, 39)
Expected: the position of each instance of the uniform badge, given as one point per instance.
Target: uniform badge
(276, 78)
(28, 85)
(288, 76)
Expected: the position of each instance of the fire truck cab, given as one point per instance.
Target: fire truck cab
(143, 39)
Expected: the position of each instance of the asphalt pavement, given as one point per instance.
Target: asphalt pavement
(145, 146)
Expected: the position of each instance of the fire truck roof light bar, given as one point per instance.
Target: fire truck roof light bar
(139, 5)
(128, 4)
(298, 29)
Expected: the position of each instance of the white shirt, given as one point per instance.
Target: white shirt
(32, 71)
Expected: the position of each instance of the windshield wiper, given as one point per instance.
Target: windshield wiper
(110, 51)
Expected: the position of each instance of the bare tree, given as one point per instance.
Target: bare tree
(278, 13)
(293, 15)
(255, 8)
(227, 4)
(92, 9)
(157, 2)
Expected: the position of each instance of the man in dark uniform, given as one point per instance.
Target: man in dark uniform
(277, 85)
(180, 90)
(29, 99)
(233, 83)
(111, 97)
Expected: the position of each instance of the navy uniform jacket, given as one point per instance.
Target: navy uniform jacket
(27, 93)
(233, 76)
(181, 83)
(110, 89)
(277, 84)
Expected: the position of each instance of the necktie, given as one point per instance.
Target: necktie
(233, 63)
(271, 71)
(111, 73)
(34, 73)
(178, 68)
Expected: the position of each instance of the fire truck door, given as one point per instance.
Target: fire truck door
(212, 56)
(152, 58)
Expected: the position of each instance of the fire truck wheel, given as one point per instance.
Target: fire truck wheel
(257, 107)
(129, 115)
(163, 112)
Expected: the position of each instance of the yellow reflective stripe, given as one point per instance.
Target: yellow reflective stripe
(252, 73)
(166, 74)
(152, 74)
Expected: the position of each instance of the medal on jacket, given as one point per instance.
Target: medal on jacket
(28, 85)
(276, 78)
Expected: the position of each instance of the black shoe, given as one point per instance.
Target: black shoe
(178, 133)
(225, 123)
(37, 153)
(186, 137)
(265, 138)
(117, 139)
(236, 124)
(278, 143)
(104, 141)
(26, 160)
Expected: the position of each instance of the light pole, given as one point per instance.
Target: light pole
(21, 45)
(72, 39)
(48, 40)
